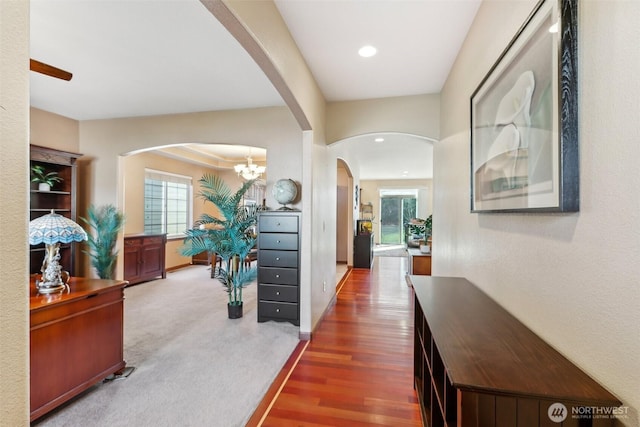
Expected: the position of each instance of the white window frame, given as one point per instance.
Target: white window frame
(169, 181)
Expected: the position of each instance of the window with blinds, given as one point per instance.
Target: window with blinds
(167, 203)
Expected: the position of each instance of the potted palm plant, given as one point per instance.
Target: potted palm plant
(105, 223)
(229, 236)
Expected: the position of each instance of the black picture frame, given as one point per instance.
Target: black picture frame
(524, 119)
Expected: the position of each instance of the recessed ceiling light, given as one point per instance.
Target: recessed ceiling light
(367, 51)
(379, 139)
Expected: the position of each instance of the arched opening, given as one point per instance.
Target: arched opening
(344, 218)
(381, 164)
(188, 163)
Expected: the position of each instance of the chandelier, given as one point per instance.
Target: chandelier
(249, 170)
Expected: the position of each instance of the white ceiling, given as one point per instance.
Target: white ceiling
(417, 42)
(138, 58)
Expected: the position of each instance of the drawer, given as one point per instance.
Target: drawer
(278, 224)
(133, 242)
(280, 310)
(57, 312)
(287, 242)
(154, 240)
(278, 276)
(277, 293)
(270, 258)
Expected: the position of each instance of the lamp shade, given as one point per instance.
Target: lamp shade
(53, 228)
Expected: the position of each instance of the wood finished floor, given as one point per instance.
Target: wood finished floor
(358, 368)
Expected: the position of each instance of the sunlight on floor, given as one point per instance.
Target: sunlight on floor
(384, 248)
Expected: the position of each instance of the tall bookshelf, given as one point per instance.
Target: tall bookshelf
(61, 198)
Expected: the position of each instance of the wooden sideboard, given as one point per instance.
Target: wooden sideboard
(76, 340)
(477, 365)
(144, 257)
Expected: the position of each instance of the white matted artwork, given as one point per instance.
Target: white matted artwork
(524, 139)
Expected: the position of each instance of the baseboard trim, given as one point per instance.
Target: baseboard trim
(309, 335)
(178, 267)
(276, 387)
(344, 279)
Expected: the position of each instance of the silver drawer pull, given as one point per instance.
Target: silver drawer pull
(277, 310)
(277, 258)
(277, 292)
(277, 276)
(278, 241)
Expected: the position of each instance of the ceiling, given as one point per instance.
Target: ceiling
(139, 58)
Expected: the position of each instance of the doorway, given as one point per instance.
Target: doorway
(397, 207)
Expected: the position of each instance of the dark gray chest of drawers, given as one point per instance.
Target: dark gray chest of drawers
(279, 266)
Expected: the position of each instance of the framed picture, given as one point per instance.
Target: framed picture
(524, 119)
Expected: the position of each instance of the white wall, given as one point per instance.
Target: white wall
(104, 141)
(572, 278)
(14, 194)
(413, 115)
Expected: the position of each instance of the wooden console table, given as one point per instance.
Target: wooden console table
(76, 340)
(419, 263)
(477, 365)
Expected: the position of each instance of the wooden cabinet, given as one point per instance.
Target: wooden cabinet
(61, 198)
(419, 263)
(477, 365)
(363, 251)
(144, 257)
(76, 340)
(279, 266)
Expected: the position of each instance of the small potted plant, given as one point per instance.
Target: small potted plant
(44, 179)
(428, 230)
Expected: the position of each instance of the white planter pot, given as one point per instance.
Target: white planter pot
(44, 187)
(425, 249)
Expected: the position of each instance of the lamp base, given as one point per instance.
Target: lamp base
(54, 279)
(44, 288)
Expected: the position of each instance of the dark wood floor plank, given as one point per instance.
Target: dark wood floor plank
(357, 370)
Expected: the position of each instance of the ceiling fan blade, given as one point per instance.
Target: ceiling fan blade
(49, 70)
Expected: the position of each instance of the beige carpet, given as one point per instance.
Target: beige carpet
(194, 366)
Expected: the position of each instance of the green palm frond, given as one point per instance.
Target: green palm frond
(105, 223)
(228, 235)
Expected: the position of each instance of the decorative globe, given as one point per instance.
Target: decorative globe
(284, 191)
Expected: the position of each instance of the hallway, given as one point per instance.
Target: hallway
(358, 368)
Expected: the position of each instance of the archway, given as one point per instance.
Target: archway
(344, 216)
(188, 162)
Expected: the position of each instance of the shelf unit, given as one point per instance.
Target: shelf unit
(363, 251)
(61, 198)
(477, 365)
(279, 266)
(366, 211)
